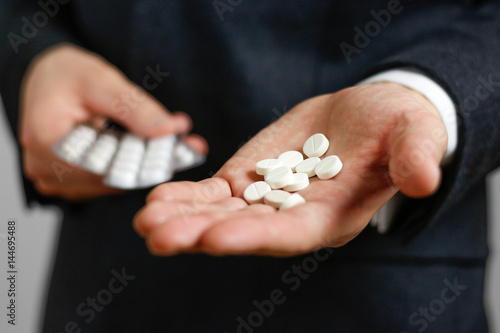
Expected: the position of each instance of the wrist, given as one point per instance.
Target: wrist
(420, 98)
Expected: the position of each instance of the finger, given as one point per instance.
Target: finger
(197, 143)
(182, 234)
(416, 150)
(64, 114)
(158, 212)
(282, 233)
(208, 190)
(116, 97)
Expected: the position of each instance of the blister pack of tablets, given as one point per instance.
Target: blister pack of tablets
(126, 161)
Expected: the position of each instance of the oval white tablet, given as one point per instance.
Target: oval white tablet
(265, 166)
(307, 166)
(155, 163)
(157, 154)
(184, 156)
(152, 176)
(161, 142)
(299, 182)
(279, 177)
(108, 138)
(255, 192)
(275, 198)
(329, 167)
(132, 147)
(122, 178)
(105, 148)
(96, 163)
(85, 133)
(291, 159)
(131, 138)
(122, 164)
(292, 201)
(316, 145)
(123, 156)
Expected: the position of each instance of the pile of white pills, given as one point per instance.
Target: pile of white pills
(290, 172)
(127, 161)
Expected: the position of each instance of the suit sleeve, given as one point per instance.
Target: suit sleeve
(464, 58)
(29, 28)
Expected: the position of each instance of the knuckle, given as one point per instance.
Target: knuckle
(158, 193)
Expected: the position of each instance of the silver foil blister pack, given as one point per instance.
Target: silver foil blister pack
(125, 160)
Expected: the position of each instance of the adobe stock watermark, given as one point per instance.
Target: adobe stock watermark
(223, 6)
(372, 29)
(421, 318)
(31, 26)
(292, 278)
(87, 309)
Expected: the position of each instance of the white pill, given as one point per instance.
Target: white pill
(291, 159)
(279, 177)
(155, 163)
(163, 145)
(299, 182)
(132, 147)
(103, 151)
(162, 142)
(73, 139)
(122, 156)
(121, 178)
(85, 131)
(265, 166)
(255, 192)
(96, 163)
(121, 164)
(106, 144)
(103, 143)
(108, 138)
(292, 201)
(307, 166)
(329, 167)
(275, 198)
(184, 156)
(157, 154)
(316, 145)
(153, 176)
(73, 151)
(131, 138)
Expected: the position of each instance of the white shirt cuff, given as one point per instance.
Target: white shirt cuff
(417, 81)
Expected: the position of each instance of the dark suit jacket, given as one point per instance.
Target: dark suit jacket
(234, 66)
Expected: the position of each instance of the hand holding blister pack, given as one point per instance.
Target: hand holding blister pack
(125, 160)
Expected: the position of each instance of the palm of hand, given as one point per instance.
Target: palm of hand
(370, 128)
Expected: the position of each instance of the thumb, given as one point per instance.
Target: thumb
(114, 96)
(416, 149)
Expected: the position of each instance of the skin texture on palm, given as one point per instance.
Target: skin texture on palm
(389, 138)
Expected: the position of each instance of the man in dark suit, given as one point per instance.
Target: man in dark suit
(235, 67)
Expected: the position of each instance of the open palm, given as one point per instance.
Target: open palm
(388, 137)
